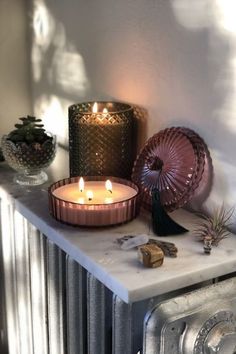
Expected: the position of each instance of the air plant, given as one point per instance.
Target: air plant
(213, 229)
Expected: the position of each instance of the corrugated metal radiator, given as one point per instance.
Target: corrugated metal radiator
(53, 305)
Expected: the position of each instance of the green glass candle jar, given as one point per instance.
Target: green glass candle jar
(102, 139)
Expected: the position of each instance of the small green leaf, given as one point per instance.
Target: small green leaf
(29, 138)
(18, 126)
(16, 138)
(40, 131)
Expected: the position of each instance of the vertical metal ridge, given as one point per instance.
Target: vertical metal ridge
(76, 308)
(8, 251)
(3, 317)
(99, 328)
(56, 299)
(37, 249)
(23, 285)
(121, 327)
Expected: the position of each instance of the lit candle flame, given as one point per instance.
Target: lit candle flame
(95, 108)
(108, 186)
(89, 195)
(105, 110)
(81, 184)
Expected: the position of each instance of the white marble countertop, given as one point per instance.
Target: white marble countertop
(98, 252)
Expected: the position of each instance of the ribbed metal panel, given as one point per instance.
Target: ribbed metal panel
(56, 299)
(8, 250)
(99, 322)
(37, 249)
(76, 308)
(122, 327)
(23, 287)
(3, 326)
(54, 306)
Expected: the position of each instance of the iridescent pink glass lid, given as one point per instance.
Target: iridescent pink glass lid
(173, 161)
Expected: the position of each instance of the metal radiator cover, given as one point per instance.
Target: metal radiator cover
(200, 322)
(54, 306)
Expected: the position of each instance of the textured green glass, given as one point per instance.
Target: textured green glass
(101, 144)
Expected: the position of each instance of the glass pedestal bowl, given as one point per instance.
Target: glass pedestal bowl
(29, 160)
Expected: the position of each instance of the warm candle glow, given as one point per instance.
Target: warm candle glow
(81, 200)
(108, 186)
(95, 193)
(89, 195)
(105, 113)
(81, 184)
(108, 200)
(95, 206)
(95, 108)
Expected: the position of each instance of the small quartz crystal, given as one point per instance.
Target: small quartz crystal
(133, 242)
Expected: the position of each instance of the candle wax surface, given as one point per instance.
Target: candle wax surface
(71, 193)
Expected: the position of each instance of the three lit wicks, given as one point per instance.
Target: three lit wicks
(89, 193)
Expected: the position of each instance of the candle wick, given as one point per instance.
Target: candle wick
(90, 198)
(109, 190)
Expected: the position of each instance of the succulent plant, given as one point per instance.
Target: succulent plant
(29, 131)
(28, 150)
(212, 229)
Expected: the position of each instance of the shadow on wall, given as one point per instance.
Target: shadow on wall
(218, 123)
(218, 83)
(59, 74)
(175, 58)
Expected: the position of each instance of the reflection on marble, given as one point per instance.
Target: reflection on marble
(98, 252)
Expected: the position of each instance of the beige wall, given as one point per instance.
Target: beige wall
(175, 58)
(14, 63)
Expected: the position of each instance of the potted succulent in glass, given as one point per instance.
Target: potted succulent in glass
(29, 149)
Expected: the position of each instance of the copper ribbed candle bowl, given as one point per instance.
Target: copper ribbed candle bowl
(74, 213)
(102, 139)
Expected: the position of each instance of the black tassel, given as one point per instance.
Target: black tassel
(162, 224)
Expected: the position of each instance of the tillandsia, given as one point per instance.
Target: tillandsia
(214, 228)
(29, 131)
